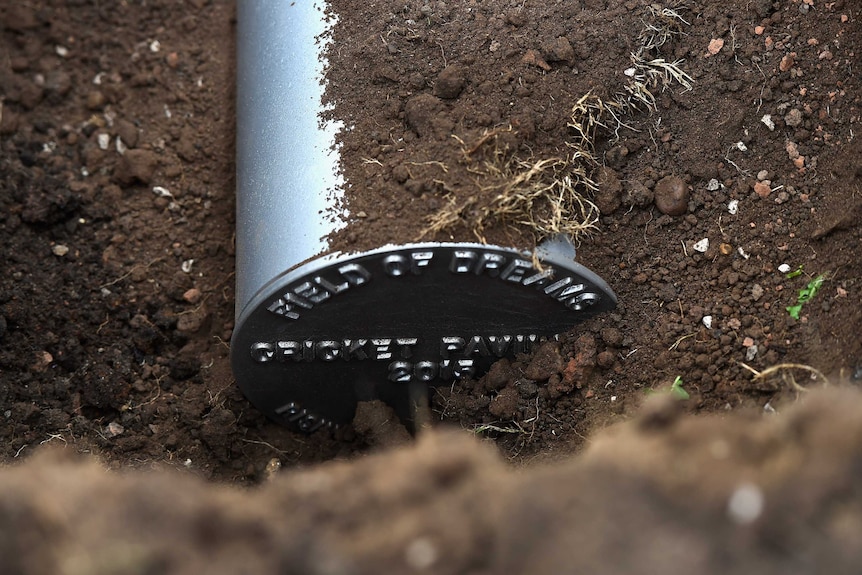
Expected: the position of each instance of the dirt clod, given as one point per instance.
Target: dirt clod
(450, 82)
(136, 166)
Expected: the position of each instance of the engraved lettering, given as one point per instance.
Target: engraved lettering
(582, 301)
(355, 274)
(419, 261)
(557, 287)
(571, 290)
(463, 261)
(499, 345)
(262, 352)
(310, 422)
(524, 343)
(355, 349)
(287, 304)
(311, 292)
(289, 411)
(451, 345)
(399, 371)
(331, 287)
(404, 345)
(395, 265)
(540, 279)
(456, 369)
(516, 270)
(308, 350)
(288, 350)
(425, 371)
(477, 346)
(306, 421)
(328, 350)
(381, 348)
(490, 263)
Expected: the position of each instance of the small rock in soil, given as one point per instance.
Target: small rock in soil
(559, 50)
(95, 100)
(671, 196)
(793, 118)
(192, 295)
(762, 189)
(450, 82)
(136, 166)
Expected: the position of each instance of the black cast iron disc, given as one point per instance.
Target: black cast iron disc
(343, 329)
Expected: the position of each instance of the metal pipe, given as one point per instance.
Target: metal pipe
(318, 330)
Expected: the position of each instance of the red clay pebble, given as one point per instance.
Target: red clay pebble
(671, 196)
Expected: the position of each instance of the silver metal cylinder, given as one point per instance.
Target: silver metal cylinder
(318, 330)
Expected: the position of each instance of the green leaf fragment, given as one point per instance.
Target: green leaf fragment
(677, 391)
(805, 295)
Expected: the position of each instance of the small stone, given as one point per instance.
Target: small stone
(95, 100)
(43, 360)
(192, 296)
(762, 189)
(114, 429)
(793, 118)
(533, 58)
(787, 62)
(707, 321)
(671, 196)
(701, 245)
(784, 268)
(715, 46)
(733, 207)
(450, 82)
(60, 250)
(767, 121)
(756, 292)
(559, 50)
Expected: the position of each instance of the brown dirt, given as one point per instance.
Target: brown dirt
(116, 301)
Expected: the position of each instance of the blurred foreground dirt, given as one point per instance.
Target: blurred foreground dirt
(665, 493)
